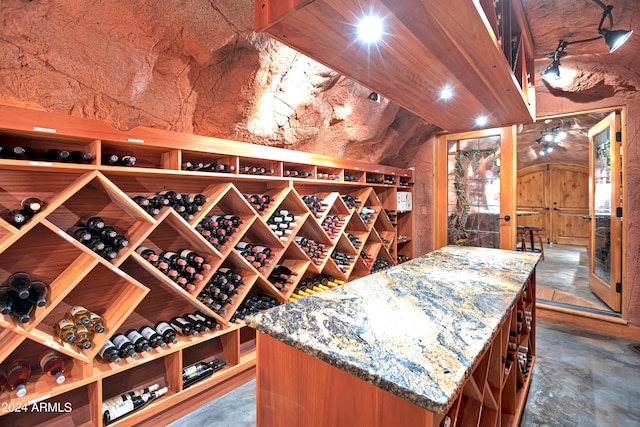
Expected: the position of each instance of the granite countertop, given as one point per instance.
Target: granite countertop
(416, 329)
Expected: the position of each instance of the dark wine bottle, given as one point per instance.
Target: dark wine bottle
(56, 155)
(140, 343)
(20, 283)
(23, 153)
(80, 157)
(7, 298)
(124, 345)
(183, 326)
(16, 217)
(121, 410)
(94, 222)
(167, 332)
(110, 353)
(39, 293)
(32, 205)
(23, 309)
(154, 338)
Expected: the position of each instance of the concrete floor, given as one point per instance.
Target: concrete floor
(580, 379)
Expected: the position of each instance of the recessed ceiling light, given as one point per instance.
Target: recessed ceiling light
(370, 29)
(446, 93)
(481, 121)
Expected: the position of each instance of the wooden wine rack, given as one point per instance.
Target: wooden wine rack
(127, 291)
(496, 391)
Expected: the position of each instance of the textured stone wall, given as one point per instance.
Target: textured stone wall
(196, 66)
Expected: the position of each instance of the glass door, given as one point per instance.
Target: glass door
(476, 189)
(605, 243)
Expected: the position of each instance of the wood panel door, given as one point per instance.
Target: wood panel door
(605, 204)
(570, 204)
(555, 197)
(533, 197)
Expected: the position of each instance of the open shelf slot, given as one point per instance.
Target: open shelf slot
(236, 264)
(259, 234)
(295, 260)
(106, 291)
(290, 206)
(163, 371)
(354, 176)
(226, 200)
(49, 257)
(40, 384)
(145, 156)
(73, 408)
(224, 348)
(40, 143)
(328, 174)
(172, 233)
(99, 197)
(374, 178)
(161, 304)
(208, 163)
(274, 190)
(260, 167)
(311, 230)
(296, 170)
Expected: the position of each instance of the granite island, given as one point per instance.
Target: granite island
(449, 336)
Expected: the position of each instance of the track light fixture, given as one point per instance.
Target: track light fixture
(613, 39)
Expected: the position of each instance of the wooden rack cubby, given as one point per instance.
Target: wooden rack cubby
(128, 291)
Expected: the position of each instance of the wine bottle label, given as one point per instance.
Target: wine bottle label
(120, 340)
(16, 367)
(64, 323)
(164, 327)
(148, 333)
(120, 409)
(76, 309)
(134, 336)
(109, 345)
(48, 357)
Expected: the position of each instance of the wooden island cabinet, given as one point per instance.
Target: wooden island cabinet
(128, 292)
(447, 339)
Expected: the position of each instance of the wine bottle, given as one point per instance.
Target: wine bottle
(22, 310)
(20, 283)
(183, 326)
(110, 353)
(79, 315)
(154, 338)
(52, 364)
(196, 323)
(23, 153)
(65, 329)
(167, 332)
(16, 217)
(56, 155)
(124, 345)
(196, 373)
(7, 298)
(80, 156)
(148, 254)
(96, 323)
(3, 378)
(18, 374)
(209, 322)
(32, 205)
(39, 293)
(94, 222)
(83, 337)
(140, 343)
(127, 396)
(125, 408)
(82, 234)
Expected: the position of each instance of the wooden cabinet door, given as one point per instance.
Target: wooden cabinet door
(570, 204)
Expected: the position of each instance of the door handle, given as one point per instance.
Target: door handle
(586, 216)
(506, 218)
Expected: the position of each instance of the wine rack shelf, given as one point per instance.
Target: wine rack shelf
(128, 291)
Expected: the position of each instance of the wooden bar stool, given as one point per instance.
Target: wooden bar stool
(531, 233)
